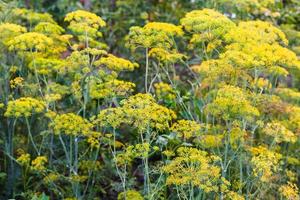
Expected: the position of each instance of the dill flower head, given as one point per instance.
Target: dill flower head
(71, 124)
(288, 94)
(265, 162)
(48, 28)
(166, 56)
(231, 103)
(207, 19)
(31, 41)
(38, 164)
(140, 111)
(111, 88)
(85, 25)
(168, 28)
(148, 38)
(193, 167)
(144, 112)
(290, 191)
(131, 152)
(186, 128)
(210, 140)
(85, 17)
(116, 64)
(257, 32)
(279, 132)
(164, 91)
(24, 159)
(130, 194)
(9, 31)
(46, 66)
(152, 35)
(206, 25)
(24, 107)
(272, 58)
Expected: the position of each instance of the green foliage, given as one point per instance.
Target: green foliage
(149, 100)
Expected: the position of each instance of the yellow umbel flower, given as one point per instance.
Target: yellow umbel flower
(209, 140)
(148, 38)
(38, 163)
(140, 111)
(165, 56)
(116, 64)
(257, 32)
(31, 41)
(265, 162)
(130, 194)
(279, 132)
(24, 107)
(164, 91)
(45, 66)
(48, 28)
(51, 177)
(85, 17)
(288, 94)
(200, 21)
(111, 88)
(193, 167)
(272, 59)
(186, 128)
(170, 29)
(16, 82)
(71, 124)
(131, 152)
(206, 25)
(289, 191)
(85, 25)
(9, 31)
(24, 159)
(231, 103)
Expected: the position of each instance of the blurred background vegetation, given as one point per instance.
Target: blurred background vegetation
(120, 15)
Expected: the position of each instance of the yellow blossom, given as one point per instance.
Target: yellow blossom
(194, 167)
(31, 41)
(164, 91)
(170, 29)
(279, 132)
(38, 163)
(289, 191)
(186, 128)
(24, 106)
(9, 31)
(116, 64)
(24, 159)
(71, 124)
(265, 162)
(130, 194)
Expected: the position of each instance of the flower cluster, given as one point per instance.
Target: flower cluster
(31, 41)
(231, 103)
(85, 25)
(186, 128)
(116, 64)
(164, 91)
(279, 132)
(195, 167)
(141, 111)
(265, 162)
(71, 124)
(24, 107)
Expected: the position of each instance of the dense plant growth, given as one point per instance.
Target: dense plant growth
(150, 100)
